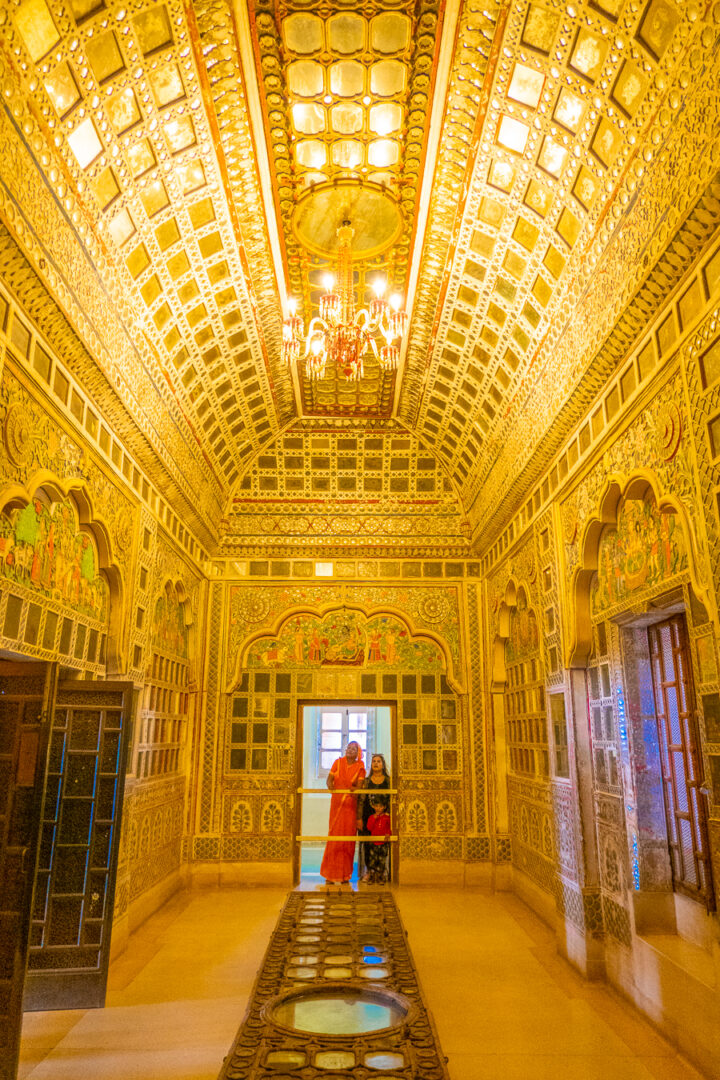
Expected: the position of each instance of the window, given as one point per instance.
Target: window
(560, 738)
(526, 722)
(602, 716)
(339, 726)
(679, 756)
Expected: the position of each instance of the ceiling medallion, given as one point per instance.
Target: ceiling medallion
(372, 208)
(341, 335)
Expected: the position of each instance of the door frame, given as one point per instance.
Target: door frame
(299, 757)
(49, 671)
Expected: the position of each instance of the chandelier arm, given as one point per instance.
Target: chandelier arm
(374, 348)
(317, 326)
(364, 320)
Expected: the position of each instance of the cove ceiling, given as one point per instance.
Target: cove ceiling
(534, 177)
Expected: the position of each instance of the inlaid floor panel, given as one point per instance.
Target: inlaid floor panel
(337, 991)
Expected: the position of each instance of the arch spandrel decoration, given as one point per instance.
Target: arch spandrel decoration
(343, 637)
(638, 543)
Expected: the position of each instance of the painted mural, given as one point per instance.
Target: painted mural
(523, 638)
(344, 639)
(42, 548)
(646, 548)
(434, 608)
(169, 632)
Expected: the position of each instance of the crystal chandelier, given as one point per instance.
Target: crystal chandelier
(341, 335)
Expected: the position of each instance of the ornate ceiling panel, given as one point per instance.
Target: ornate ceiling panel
(347, 90)
(165, 167)
(143, 138)
(562, 115)
(342, 487)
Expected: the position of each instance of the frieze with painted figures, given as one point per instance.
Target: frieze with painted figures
(645, 549)
(253, 608)
(169, 632)
(344, 639)
(523, 638)
(42, 548)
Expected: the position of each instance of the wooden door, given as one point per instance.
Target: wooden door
(26, 693)
(77, 862)
(685, 808)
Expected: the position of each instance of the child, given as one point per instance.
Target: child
(377, 850)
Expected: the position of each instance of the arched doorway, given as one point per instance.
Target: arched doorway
(351, 656)
(641, 630)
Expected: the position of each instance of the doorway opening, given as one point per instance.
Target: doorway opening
(325, 730)
(63, 747)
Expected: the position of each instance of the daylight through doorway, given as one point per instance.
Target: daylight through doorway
(327, 729)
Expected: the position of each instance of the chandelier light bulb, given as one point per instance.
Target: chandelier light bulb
(292, 304)
(396, 301)
(379, 286)
(328, 282)
(316, 346)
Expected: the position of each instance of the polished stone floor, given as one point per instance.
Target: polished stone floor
(505, 1005)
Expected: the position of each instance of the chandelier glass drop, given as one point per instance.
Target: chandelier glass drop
(342, 336)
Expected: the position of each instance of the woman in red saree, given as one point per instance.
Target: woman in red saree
(347, 773)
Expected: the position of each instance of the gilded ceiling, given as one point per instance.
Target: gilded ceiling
(519, 171)
(355, 489)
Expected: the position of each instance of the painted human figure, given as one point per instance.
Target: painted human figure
(40, 553)
(315, 647)
(299, 644)
(374, 652)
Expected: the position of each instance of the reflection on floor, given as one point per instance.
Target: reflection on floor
(505, 1005)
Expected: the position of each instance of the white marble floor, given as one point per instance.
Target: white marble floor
(505, 1005)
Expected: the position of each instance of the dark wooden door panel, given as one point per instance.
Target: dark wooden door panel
(26, 692)
(685, 809)
(75, 883)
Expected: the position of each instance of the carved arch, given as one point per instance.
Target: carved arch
(508, 605)
(274, 629)
(46, 485)
(169, 585)
(615, 492)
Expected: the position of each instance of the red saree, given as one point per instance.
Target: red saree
(339, 855)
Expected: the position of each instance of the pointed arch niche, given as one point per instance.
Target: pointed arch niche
(640, 571)
(167, 703)
(61, 588)
(522, 742)
(349, 653)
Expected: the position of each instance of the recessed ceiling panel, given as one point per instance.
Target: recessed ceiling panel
(347, 103)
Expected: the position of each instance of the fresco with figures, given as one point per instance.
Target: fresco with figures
(646, 548)
(169, 633)
(523, 631)
(43, 549)
(344, 639)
